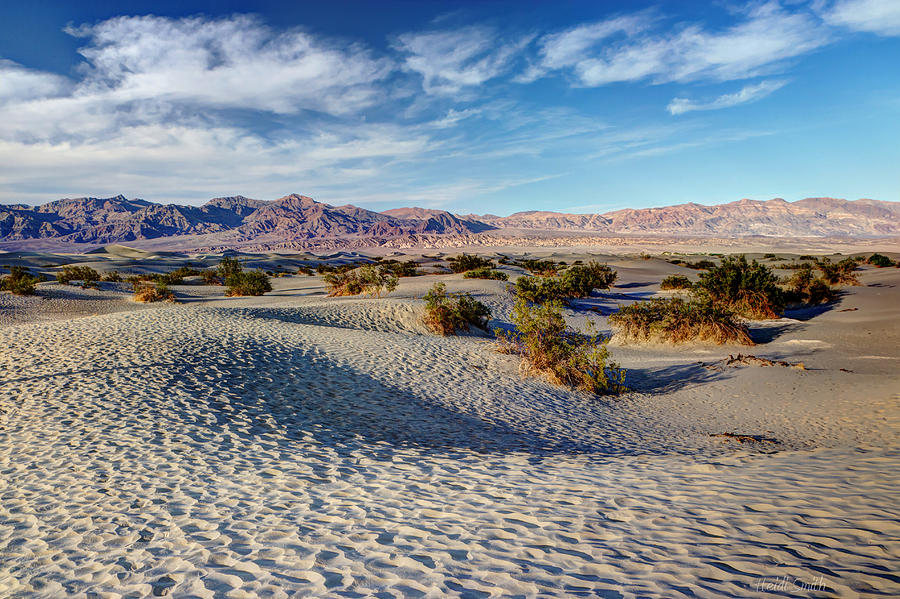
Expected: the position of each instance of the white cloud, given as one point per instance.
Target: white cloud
(881, 17)
(176, 162)
(19, 83)
(569, 48)
(747, 94)
(234, 62)
(767, 36)
(449, 61)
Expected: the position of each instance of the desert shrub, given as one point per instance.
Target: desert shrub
(211, 277)
(146, 292)
(447, 313)
(805, 287)
(401, 269)
(370, 279)
(748, 289)
(698, 265)
(581, 280)
(229, 266)
(324, 268)
(576, 282)
(19, 281)
(465, 262)
(112, 276)
(676, 320)
(880, 260)
(808, 257)
(305, 270)
(769, 256)
(541, 268)
(676, 282)
(838, 273)
(251, 282)
(175, 277)
(486, 273)
(87, 275)
(539, 289)
(547, 346)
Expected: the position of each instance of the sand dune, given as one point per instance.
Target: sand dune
(298, 445)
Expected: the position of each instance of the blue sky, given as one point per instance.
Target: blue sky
(478, 107)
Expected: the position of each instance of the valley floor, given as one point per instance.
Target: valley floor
(296, 445)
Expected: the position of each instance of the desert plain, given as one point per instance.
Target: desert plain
(299, 445)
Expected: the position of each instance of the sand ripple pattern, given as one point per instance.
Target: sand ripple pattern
(281, 452)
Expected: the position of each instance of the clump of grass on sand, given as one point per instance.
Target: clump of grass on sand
(566, 357)
(89, 277)
(747, 289)
(576, 282)
(147, 292)
(19, 281)
(486, 273)
(676, 282)
(839, 273)
(676, 320)
(370, 280)
(447, 313)
(880, 261)
(465, 262)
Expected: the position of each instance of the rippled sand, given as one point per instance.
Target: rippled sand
(296, 445)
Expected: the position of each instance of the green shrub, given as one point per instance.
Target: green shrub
(112, 276)
(880, 260)
(566, 357)
(19, 281)
(808, 257)
(465, 262)
(748, 289)
(211, 277)
(370, 279)
(576, 282)
(581, 280)
(447, 313)
(675, 320)
(229, 266)
(87, 275)
(676, 282)
(401, 269)
(699, 265)
(541, 268)
(838, 273)
(146, 292)
(175, 277)
(804, 287)
(251, 282)
(324, 268)
(486, 273)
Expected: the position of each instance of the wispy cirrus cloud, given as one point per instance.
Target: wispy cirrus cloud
(451, 60)
(747, 94)
(626, 48)
(881, 17)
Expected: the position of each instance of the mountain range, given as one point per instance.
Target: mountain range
(300, 221)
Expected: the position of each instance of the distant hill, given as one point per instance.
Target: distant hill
(240, 221)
